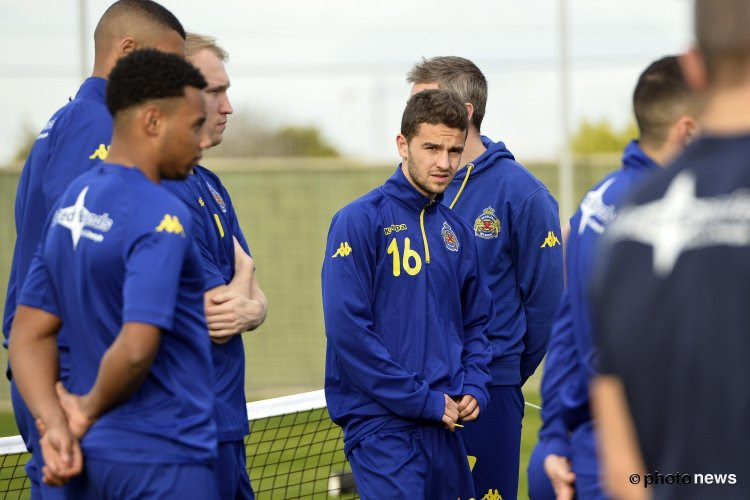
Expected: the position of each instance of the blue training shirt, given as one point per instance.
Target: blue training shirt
(215, 222)
(120, 249)
(405, 311)
(596, 210)
(516, 228)
(73, 141)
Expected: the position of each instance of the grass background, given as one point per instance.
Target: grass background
(285, 207)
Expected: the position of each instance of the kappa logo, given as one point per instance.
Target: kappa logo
(217, 198)
(343, 251)
(394, 228)
(77, 219)
(492, 495)
(201, 202)
(170, 224)
(449, 238)
(487, 225)
(100, 153)
(551, 240)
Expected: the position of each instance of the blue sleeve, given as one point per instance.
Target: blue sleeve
(38, 290)
(361, 354)
(152, 271)
(580, 257)
(77, 135)
(477, 303)
(559, 366)
(537, 252)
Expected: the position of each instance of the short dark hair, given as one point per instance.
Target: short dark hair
(145, 9)
(433, 106)
(660, 97)
(723, 37)
(149, 74)
(457, 74)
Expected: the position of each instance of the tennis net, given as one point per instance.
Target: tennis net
(293, 451)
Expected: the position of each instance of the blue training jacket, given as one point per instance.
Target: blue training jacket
(405, 311)
(73, 141)
(596, 210)
(516, 228)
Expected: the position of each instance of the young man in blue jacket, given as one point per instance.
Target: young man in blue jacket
(118, 267)
(234, 302)
(517, 232)
(72, 142)
(665, 110)
(406, 314)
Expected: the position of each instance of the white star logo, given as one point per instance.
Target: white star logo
(680, 221)
(594, 212)
(77, 218)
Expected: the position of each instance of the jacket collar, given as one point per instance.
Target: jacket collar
(93, 88)
(634, 158)
(399, 188)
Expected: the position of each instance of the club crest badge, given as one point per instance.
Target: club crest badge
(449, 238)
(217, 198)
(487, 225)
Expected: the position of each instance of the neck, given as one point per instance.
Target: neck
(405, 170)
(130, 153)
(661, 156)
(727, 112)
(103, 66)
(473, 148)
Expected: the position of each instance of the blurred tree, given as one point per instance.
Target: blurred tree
(28, 136)
(601, 137)
(248, 136)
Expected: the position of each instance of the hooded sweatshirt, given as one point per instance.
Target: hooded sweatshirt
(596, 210)
(517, 231)
(405, 312)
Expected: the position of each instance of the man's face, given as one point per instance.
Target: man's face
(419, 87)
(432, 157)
(218, 107)
(180, 148)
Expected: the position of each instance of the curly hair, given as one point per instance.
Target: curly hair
(149, 74)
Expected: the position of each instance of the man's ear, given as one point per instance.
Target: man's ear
(470, 110)
(403, 146)
(152, 120)
(126, 46)
(694, 69)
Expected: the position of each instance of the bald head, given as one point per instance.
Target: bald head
(128, 25)
(723, 37)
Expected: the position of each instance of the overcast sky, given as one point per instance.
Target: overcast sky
(340, 64)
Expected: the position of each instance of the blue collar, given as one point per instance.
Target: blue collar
(634, 158)
(399, 188)
(93, 88)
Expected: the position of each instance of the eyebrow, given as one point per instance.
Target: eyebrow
(223, 86)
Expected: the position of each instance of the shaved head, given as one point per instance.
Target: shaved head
(146, 22)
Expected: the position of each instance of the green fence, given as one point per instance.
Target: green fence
(284, 210)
